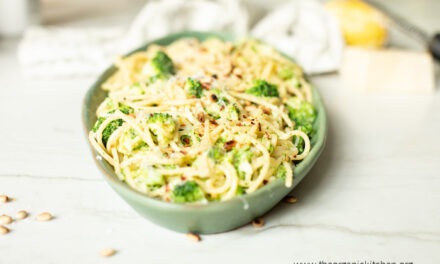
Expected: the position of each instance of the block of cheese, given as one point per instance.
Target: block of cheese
(387, 70)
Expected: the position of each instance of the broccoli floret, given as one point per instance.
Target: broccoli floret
(302, 112)
(113, 125)
(280, 172)
(162, 64)
(125, 109)
(109, 129)
(98, 123)
(263, 88)
(187, 192)
(241, 159)
(130, 141)
(110, 106)
(216, 153)
(232, 112)
(160, 118)
(194, 87)
(304, 115)
(240, 191)
(160, 67)
(149, 177)
(163, 127)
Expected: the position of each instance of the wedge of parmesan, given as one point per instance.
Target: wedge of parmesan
(387, 70)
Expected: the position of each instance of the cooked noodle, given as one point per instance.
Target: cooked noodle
(227, 140)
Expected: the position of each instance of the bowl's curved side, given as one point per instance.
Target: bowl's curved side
(202, 218)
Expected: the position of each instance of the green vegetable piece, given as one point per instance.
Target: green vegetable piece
(194, 87)
(216, 153)
(130, 141)
(304, 115)
(160, 118)
(162, 65)
(154, 179)
(98, 124)
(263, 89)
(125, 109)
(164, 127)
(280, 172)
(148, 177)
(188, 192)
(241, 159)
(240, 191)
(109, 129)
(302, 112)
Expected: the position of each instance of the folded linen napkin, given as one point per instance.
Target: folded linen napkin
(305, 31)
(300, 28)
(159, 18)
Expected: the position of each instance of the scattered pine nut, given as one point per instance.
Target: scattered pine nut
(290, 199)
(258, 223)
(4, 198)
(3, 230)
(22, 214)
(45, 216)
(107, 252)
(193, 237)
(5, 219)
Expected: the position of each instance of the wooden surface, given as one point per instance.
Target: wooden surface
(373, 195)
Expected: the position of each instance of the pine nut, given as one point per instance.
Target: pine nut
(4, 198)
(107, 252)
(22, 214)
(258, 223)
(193, 237)
(45, 216)
(5, 219)
(3, 230)
(290, 199)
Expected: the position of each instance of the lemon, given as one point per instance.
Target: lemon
(361, 24)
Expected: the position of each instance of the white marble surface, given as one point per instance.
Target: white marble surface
(374, 194)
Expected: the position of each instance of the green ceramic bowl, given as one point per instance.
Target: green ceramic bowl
(213, 217)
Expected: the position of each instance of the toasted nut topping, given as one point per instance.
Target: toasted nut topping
(193, 237)
(22, 214)
(214, 98)
(201, 117)
(3, 230)
(107, 252)
(229, 145)
(267, 111)
(4, 198)
(290, 199)
(5, 219)
(257, 223)
(45, 216)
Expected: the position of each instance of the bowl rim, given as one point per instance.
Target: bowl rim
(301, 168)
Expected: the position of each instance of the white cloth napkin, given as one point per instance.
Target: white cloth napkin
(301, 29)
(159, 18)
(305, 31)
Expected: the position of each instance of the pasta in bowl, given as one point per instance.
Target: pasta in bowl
(199, 121)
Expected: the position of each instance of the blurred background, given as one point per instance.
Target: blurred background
(71, 39)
